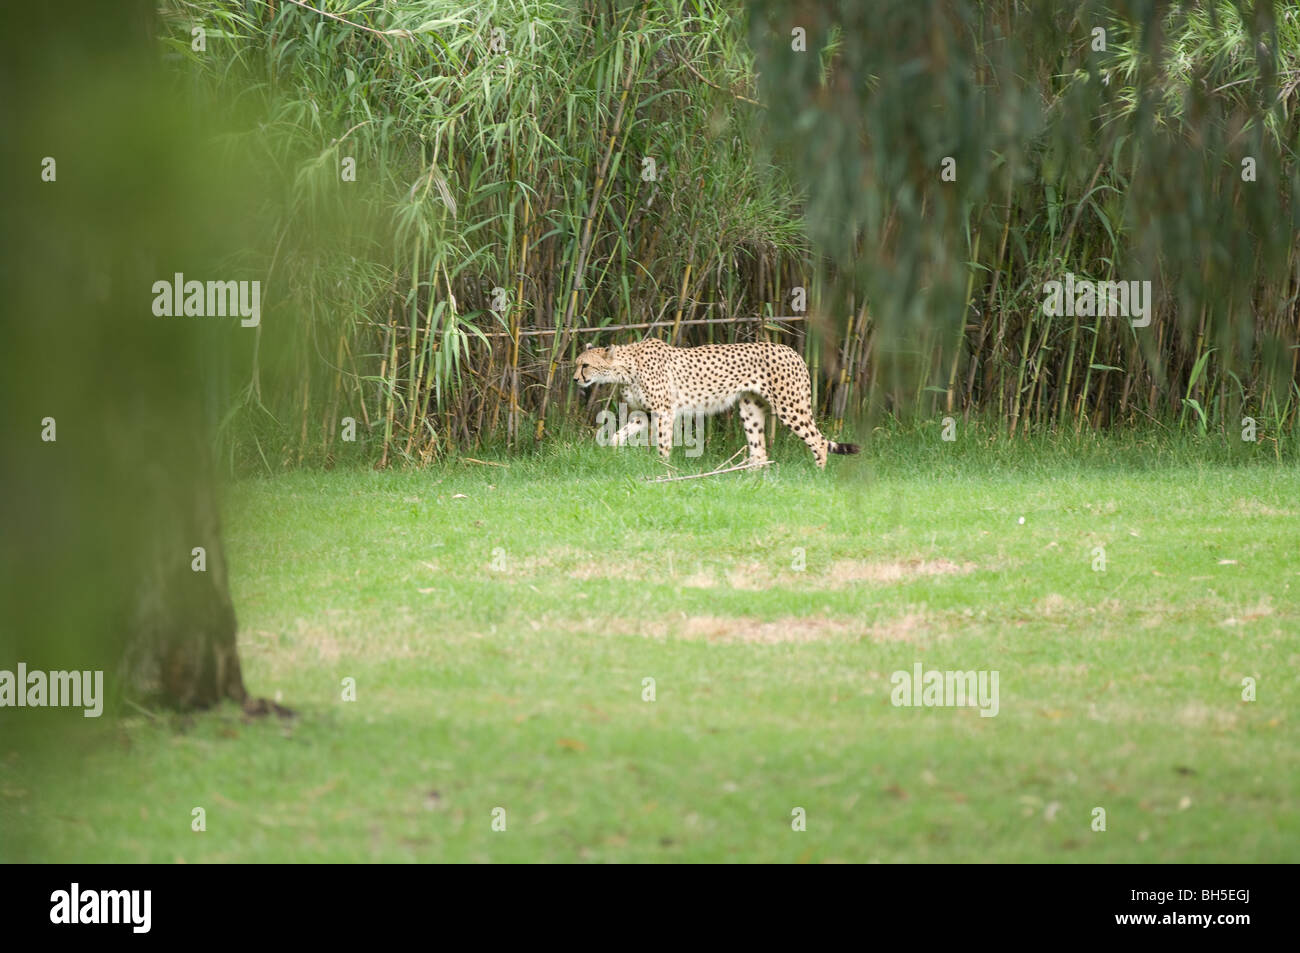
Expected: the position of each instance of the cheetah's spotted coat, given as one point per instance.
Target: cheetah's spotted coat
(667, 381)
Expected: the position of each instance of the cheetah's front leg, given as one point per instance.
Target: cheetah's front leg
(632, 429)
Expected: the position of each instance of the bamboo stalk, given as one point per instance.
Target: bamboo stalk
(584, 247)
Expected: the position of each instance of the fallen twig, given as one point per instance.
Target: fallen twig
(696, 476)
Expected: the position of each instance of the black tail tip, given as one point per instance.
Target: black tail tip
(845, 448)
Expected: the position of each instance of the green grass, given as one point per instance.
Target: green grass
(521, 688)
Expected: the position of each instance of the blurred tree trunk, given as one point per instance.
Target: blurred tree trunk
(180, 647)
(107, 479)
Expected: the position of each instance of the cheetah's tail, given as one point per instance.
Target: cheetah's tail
(844, 447)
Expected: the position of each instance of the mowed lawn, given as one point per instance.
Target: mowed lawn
(500, 623)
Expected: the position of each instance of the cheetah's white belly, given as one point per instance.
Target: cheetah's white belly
(712, 404)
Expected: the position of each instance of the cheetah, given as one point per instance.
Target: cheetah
(667, 381)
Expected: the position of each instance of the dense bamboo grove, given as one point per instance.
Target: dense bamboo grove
(527, 174)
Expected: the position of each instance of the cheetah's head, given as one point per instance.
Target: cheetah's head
(601, 365)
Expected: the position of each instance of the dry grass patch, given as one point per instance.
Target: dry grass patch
(753, 576)
(731, 629)
(699, 580)
(750, 577)
(847, 572)
(1054, 604)
(1260, 610)
(1256, 508)
(339, 636)
(600, 571)
(906, 628)
(795, 629)
(912, 626)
